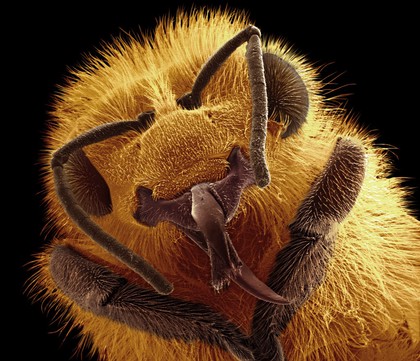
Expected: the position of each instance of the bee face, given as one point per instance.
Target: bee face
(195, 151)
(208, 199)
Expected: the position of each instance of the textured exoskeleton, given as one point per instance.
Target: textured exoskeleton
(210, 204)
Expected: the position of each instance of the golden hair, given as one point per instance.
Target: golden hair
(368, 306)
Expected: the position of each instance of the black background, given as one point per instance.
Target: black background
(373, 48)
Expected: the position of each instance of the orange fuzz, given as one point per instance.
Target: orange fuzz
(206, 201)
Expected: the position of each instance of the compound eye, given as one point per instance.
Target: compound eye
(88, 186)
(288, 99)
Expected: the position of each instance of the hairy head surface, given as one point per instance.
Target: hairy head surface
(370, 294)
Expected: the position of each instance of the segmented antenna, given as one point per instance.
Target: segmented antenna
(82, 218)
(254, 57)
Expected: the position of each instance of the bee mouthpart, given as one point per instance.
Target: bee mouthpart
(202, 214)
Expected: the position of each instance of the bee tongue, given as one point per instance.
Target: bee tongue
(202, 214)
(247, 280)
(209, 216)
